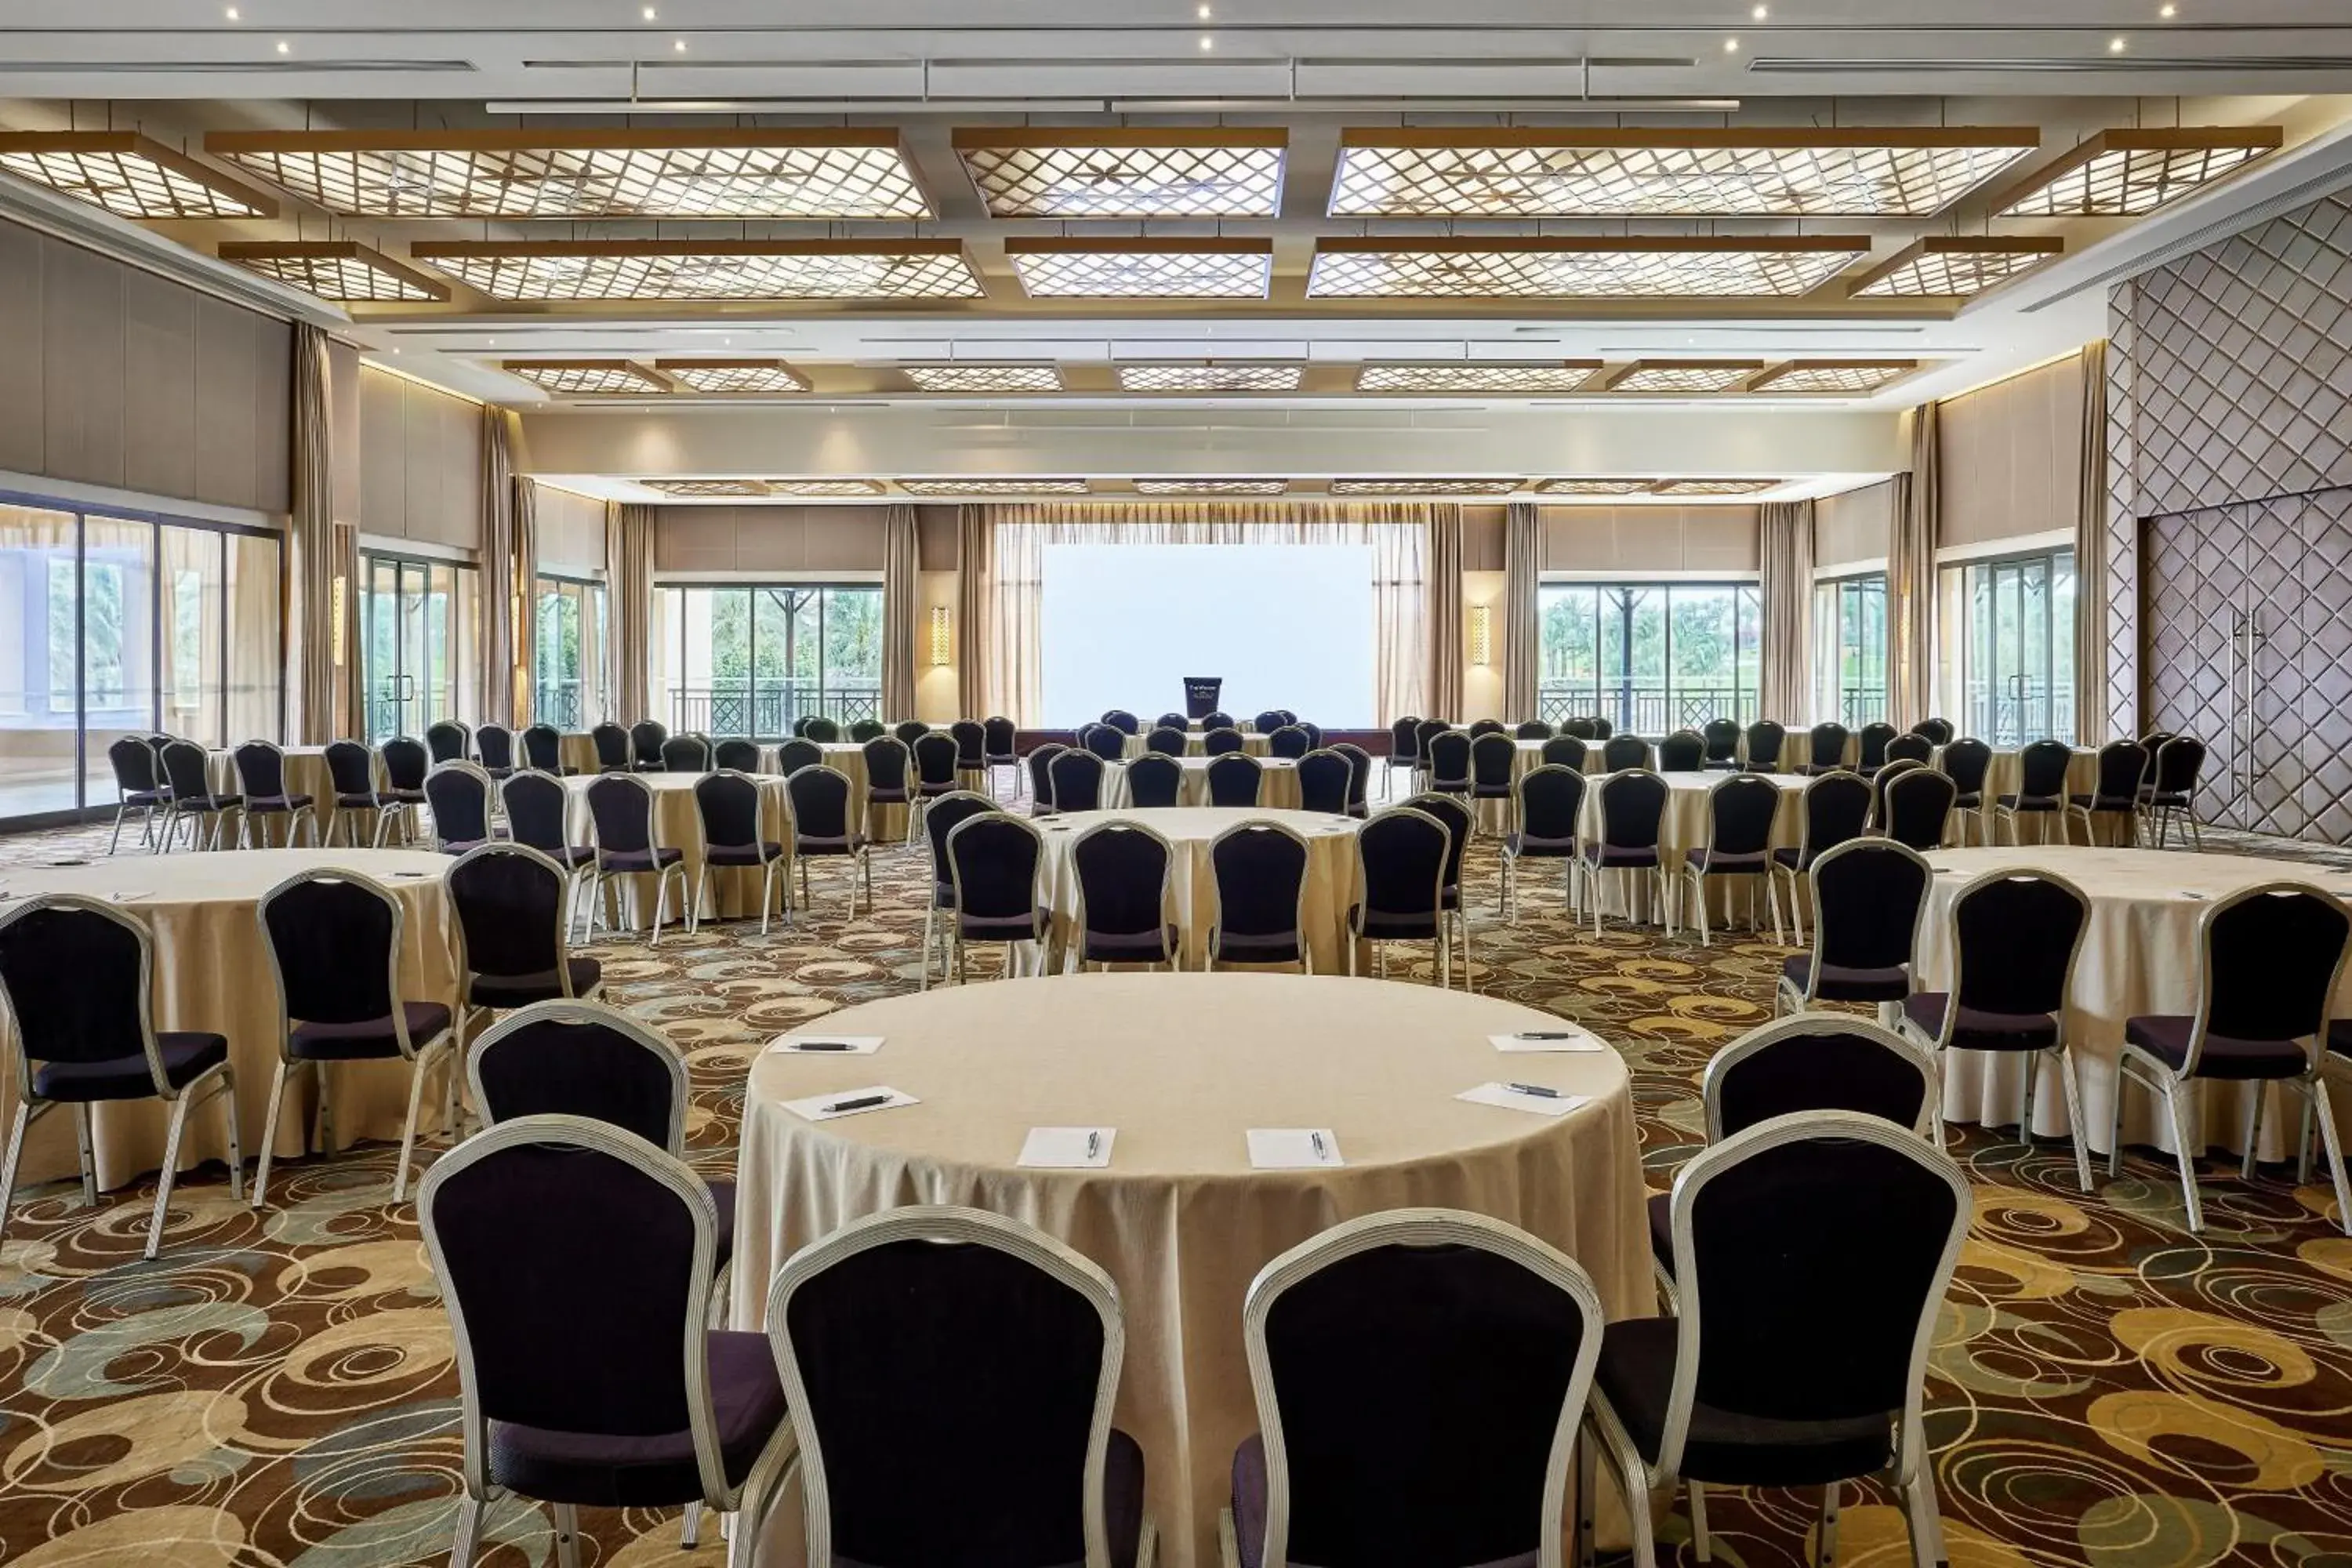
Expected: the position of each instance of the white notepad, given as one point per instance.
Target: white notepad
(1068, 1148)
(826, 1045)
(1510, 1099)
(1580, 1038)
(1293, 1148)
(824, 1107)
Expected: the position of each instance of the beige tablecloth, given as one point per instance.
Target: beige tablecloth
(1253, 744)
(1182, 1067)
(306, 774)
(678, 825)
(1331, 874)
(576, 751)
(2140, 955)
(884, 823)
(1277, 783)
(212, 973)
(2001, 778)
(1682, 828)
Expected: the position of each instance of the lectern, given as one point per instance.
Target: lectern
(1201, 694)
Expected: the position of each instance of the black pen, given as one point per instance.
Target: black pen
(1317, 1140)
(1543, 1035)
(823, 1046)
(861, 1104)
(1537, 1090)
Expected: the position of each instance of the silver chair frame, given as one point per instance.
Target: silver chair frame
(931, 932)
(661, 874)
(1167, 893)
(853, 822)
(1441, 948)
(1216, 891)
(1506, 894)
(1787, 998)
(1042, 944)
(768, 867)
(1695, 877)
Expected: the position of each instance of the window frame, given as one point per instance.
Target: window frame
(600, 664)
(1831, 704)
(680, 705)
(1955, 589)
(1621, 706)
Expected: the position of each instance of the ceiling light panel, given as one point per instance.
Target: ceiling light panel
(1143, 269)
(1954, 269)
(1601, 267)
(1854, 377)
(606, 173)
(1559, 173)
(1595, 487)
(1125, 173)
(341, 270)
(1715, 487)
(974, 487)
(724, 375)
(985, 377)
(573, 377)
(706, 270)
(707, 488)
(129, 174)
(1423, 487)
(1682, 375)
(2123, 173)
(1526, 380)
(1209, 377)
(826, 489)
(1211, 487)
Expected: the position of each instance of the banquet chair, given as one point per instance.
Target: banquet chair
(1459, 826)
(1125, 722)
(1720, 743)
(1872, 743)
(1880, 782)
(261, 778)
(1290, 741)
(1077, 780)
(1548, 816)
(736, 754)
(1765, 740)
(797, 753)
(2041, 789)
(542, 749)
(514, 934)
(1938, 732)
(494, 749)
(645, 738)
(822, 730)
(138, 786)
(1405, 751)
(1584, 727)
(1400, 877)
(2269, 961)
(1967, 763)
(888, 766)
(945, 813)
(2014, 936)
(2171, 794)
(1494, 762)
(935, 768)
(1172, 722)
(1125, 898)
(1601, 729)
(1740, 811)
(538, 816)
(335, 940)
(2122, 769)
(685, 754)
(1488, 727)
(1419, 1377)
(1869, 896)
(911, 731)
(1041, 779)
(1428, 730)
(1222, 741)
(1917, 806)
(971, 752)
(1000, 748)
(351, 774)
(1235, 780)
(1220, 719)
(1323, 782)
(951, 1374)
(866, 730)
(1532, 729)
(612, 743)
(1268, 721)
(996, 865)
(1684, 751)
(1257, 896)
(1911, 747)
(823, 825)
(577, 1262)
(1824, 749)
(406, 764)
(1103, 742)
(1813, 1373)
(734, 838)
(77, 984)
(1154, 780)
(1834, 808)
(622, 807)
(1632, 807)
(192, 798)
(1564, 752)
(1619, 753)
(1359, 777)
(1447, 757)
(460, 797)
(449, 741)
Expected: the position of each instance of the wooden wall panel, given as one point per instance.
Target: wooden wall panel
(2010, 456)
(24, 394)
(420, 462)
(570, 533)
(228, 415)
(1650, 539)
(159, 356)
(1853, 528)
(81, 338)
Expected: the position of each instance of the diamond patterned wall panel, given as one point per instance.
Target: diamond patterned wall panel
(2324, 654)
(2124, 707)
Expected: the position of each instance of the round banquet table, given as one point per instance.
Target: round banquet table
(2139, 956)
(1179, 1219)
(882, 823)
(1683, 826)
(576, 751)
(678, 825)
(1331, 874)
(1277, 782)
(212, 973)
(1253, 744)
(306, 774)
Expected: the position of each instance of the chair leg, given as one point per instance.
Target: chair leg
(408, 1127)
(85, 1146)
(689, 1533)
(467, 1540)
(9, 1161)
(115, 838)
(1825, 1543)
(270, 1134)
(2321, 1106)
(178, 1124)
(2116, 1124)
(2070, 1083)
(567, 1535)
(1588, 1482)
(1700, 1548)
(2261, 1092)
(2178, 1111)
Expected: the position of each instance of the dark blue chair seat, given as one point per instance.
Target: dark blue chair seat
(942, 895)
(590, 1470)
(357, 801)
(1840, 984)
(2029, 802)
(1276, 947)
(369, 1037)
(877, 795)
(2104, 802)
(1537, 848)
(741, 854)
(834, 844)
(462, 845)
(1792, 858)
(1660, 1208)
(575, 855)
(1391, 925)
(1005, 928)
(1249, 1504)
(2165, 1036)
(641, 859)
(1978, 1030)
(156, 796)
(1972, 801)
(405, 797)
(1613, 856)
(1109, 945)
(522, 990)
(1754, 860)
(267, 803)
(226, 802)
(186, 1056)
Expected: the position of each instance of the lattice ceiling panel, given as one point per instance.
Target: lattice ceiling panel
(1211, 487)
(1715, 487)
(707, 490)
(2124, 174)
(129, 174)
(820, 490)
(580, 377)
(1667, 174)
(1854, 377)
(1954, 269)
(1595, 487)
(1522, 379)
(733, 375)
(1176, 270)
(975, 488)
(1126, 174)
(1209, 377)
(985, 377)
(1572, 269)
(753, 174)
(1423, 487)
(1684, 376)
(718, 269)
(337, 269)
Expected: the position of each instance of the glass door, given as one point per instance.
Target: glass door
(418, 654)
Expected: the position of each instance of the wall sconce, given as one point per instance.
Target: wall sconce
(338, 618)
(942, 641)
(1481, 617)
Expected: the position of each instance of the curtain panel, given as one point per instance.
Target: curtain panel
(2090, 554)
(1011, 587)
(1522, 608)
(1911, 575)
(629, 608)
(1443, 688)
(1785, 554)
(981, 691)
(525, 555)
(499, 594)
(311, 566)
(901, 608)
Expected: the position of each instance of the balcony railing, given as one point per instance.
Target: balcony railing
(558, 704)
(768, 709)
(1639, 710)
(1860, 705)
(2019, 713)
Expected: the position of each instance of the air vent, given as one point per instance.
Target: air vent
(2112, 65)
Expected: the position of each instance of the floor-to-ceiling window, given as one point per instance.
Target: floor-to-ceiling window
(753, 659)
(1652, 657)
(418, 643)
(2007, 625)
(568, 653)
(1850, 650)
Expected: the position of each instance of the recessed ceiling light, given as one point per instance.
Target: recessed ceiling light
(1761, 12)
(1681, 375)
(576, 377)
(679, 44)
(732, 376)
(1953, 267)
(650, 13)
(1205, 13)
(1456, 376)
(1209, 377)
(984, 377)
(231, 13)
(2114, 46)
(1367, 486)
(1858, 377)
(1731, 46)
(1208, 43)
(2170, 12)
(284, 48)
(993, 487)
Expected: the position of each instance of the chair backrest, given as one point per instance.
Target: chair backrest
(824, 731)
(405, 762)
(1040, 777)
(334, 947)
(1837, 808)
(887, 762)
(940, 819)
(2177, 763)
(818, 799)
(1400, 857)
(1427, 730)
(1740, 811)
(184, 769)
(797, 753)
(1103, 742)
(1684, 751)
(260, 769)
(1965, 762)
(537, 811)
(1220, 741)
(350, 768)
(575, 1261)
(1565, 751)
(1122, 871)
(1125, 722)
(1938, 732)
(494, 746)
(1912, 747)
(1486, 727)
(510, 899)
(1219, 720)
(1622, 752)
(542, 748)
(728, 805)
(1874, 737)
(446, 741)
(1918, 806)
(951, 1374)
(1766, 738)
(865, 730)
(685, 754)
(1154, 780)
(970, 744)
(2015, 937)
(134, 762)
(1405, 740)
(1077, 780)
(1448, 751)
(1868, 894)
(1551, 804)
(1881, 782)
(1494, 758)
(612, 743)
(1531, 729)
(1290, 740)
(998, 737)
(2122, 767)
(1421, 1375)
(2042, 770)
(1166, 741)
(1172, 722)
(75, 975)
(1258, 871)
(2269, 961)
(736, 754)
(911, 731)
(1323, 781)
(1721, 738)
(1820, 1061)
(645, 738)
(1270, 720)
(622, 807)
(1449, 810)
(1234, 779)
(1583, 727)
(459, 794)
(993, 864)
(1632, 804)
(1825, 745)
(585, 1059)
(1359, 773)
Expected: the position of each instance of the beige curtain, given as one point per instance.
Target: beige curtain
(500, 596)
(526, 575)
(1785, 556)
(311, 566)
(2090, 555)
(901, 609)
(981, 688)
(1015, 538)
(1522, 594)
(629, 605)
(1911, 575)
(1443, 688)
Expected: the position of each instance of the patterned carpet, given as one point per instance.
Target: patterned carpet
(277, 1389)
